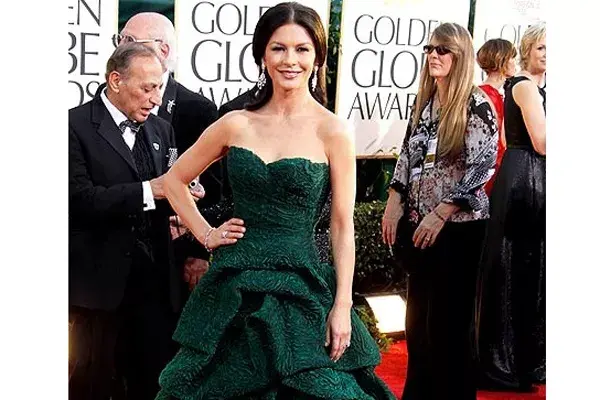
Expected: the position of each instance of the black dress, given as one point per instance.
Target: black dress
(511, 314)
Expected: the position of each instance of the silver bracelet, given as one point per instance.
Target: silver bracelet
(206, 239)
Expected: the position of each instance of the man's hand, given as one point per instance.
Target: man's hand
(193, 270)
(198, 192)
(157, 187)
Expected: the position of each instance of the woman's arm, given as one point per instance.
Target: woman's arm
(342, 164)
(210, 147)
(397, 194)
(530, 102)
(481, 150)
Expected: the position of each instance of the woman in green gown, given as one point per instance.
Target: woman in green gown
(269, 320)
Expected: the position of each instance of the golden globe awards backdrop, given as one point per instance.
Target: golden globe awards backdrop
(380, 61)
(91, 24)
(506, 19)
(215, 44)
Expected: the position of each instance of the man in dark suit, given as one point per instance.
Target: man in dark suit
(190, 114)
(124, 289)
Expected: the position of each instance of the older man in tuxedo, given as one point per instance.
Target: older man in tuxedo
(190, 114)
(124, 290)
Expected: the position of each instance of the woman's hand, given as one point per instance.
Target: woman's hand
(338, 330)
(427, 231)
(226, 234)
(391, 216)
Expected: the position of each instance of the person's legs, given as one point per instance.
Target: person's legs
(452, 305)
(146, 344)
(418, 377)
(92, 340)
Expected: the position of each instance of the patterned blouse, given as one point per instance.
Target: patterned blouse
(458, 180)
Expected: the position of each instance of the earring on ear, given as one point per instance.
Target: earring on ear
(313, 81)
(262, 79)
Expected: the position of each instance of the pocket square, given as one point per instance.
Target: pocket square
(172, 156)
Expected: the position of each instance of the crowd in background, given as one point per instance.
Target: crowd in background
(465, 216)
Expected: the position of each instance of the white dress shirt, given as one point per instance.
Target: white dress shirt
(129, 138)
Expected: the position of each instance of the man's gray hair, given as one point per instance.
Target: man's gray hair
(121, 58)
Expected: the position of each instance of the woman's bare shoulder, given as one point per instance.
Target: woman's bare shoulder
(233, 124)
(236, 118)
(526, 91)
(331, 125)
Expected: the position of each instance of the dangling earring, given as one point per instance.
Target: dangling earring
(313, 81)
(262, 79)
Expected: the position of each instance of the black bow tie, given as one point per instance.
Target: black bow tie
(134, 126)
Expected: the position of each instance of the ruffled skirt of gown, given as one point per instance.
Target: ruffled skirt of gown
(511, 314)
(256, 330)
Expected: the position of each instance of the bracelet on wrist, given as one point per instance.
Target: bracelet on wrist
(437, 214)
(206, 239)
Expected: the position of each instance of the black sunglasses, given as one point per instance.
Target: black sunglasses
(441, 50)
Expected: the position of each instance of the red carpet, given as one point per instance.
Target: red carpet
(393, 371)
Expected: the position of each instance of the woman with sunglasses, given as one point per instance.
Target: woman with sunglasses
(511, 291)
(437, 188)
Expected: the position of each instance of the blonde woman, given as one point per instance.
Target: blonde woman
(447, 155)
(512, 295)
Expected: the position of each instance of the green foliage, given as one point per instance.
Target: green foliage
(375, 268)
(368, 318)
(333, 45)
(373, 178)
(471, 23)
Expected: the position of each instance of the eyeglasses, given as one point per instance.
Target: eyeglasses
(441, 50)
(120, 39)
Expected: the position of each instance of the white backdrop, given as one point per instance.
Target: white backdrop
(379, 67)
(215, 44)
(91, 24)
(506, 19)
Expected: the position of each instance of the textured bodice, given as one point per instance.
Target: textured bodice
(280, 203)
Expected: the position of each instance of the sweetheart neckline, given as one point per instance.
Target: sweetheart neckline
(280, 159)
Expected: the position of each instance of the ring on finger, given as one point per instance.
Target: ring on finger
(224, 234)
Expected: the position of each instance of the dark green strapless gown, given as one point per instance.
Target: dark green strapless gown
(254, 327)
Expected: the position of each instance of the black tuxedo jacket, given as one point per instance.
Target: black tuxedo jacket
(190, 114)
(105, 204)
